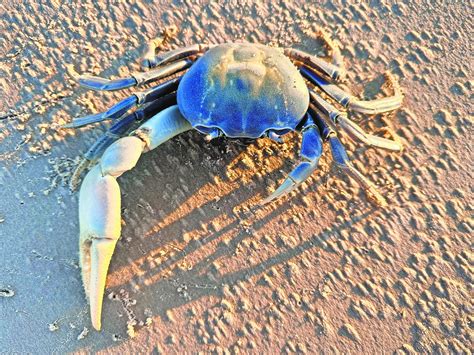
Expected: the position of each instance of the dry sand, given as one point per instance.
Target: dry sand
(198, 266)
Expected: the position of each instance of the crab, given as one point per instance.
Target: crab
(236, 90)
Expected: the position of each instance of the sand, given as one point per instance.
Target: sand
(199, 267)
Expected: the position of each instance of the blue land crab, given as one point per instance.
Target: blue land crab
(238, 90)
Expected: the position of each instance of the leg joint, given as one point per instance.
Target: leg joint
(143, 134)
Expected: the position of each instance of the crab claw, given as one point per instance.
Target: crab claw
(99, 200)
(99, 216)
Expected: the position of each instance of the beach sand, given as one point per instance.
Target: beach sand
(199, 266)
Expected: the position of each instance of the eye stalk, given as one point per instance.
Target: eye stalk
(274, 136)
(213, 134)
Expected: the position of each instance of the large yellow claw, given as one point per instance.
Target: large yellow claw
(99, 201)
(99, 216)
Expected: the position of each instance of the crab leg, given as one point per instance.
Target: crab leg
(99, 200)
(150, 60)
(369, 107)
(330, 70)
(98, 83)
(352, 128)
(334, 71)
(337, 59)
(341, 159)
(138, 98)
(116, 130)
(311, 151)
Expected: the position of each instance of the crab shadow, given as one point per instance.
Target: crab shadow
(154, 194)
(186, 200)
(149, 259)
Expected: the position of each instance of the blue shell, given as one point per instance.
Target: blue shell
(244, 90)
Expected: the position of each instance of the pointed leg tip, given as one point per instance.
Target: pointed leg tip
(377, 198)
(388, 144)
(98, 83)
(84, 78)
(91, 82)
(273, 196)
(265, 201)
(340, 76)
(75, 123)
(382, 202)
(67, 125)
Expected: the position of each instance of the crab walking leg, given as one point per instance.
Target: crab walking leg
(341, 159)
(337, 59)
(117, 130)
(99, 200)
(371, 107)
(119, 109)
(98, 83)
(150, 60)
(311, 151)
(335, 71)
(352, 128)
(330, 70)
